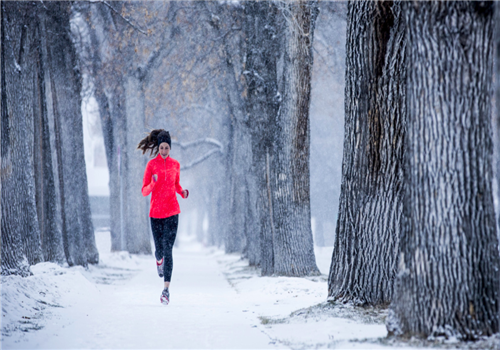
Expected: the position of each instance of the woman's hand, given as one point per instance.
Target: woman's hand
(185, 193)
(155, 178)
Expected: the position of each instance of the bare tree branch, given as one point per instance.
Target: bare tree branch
(208, 140)
(119, 14)
(199, 160)
(199, 142)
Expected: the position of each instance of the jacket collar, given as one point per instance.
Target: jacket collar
(159, 157)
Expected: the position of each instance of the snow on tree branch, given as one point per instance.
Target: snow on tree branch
(208, 140)
(200, 159)
(199, 142)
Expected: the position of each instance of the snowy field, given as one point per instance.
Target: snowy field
(217, 302)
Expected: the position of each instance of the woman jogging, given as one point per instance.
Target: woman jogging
(161, 178)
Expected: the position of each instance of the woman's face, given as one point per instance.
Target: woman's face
(164, 150)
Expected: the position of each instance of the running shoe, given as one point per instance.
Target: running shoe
(159, 267)
(165, 297)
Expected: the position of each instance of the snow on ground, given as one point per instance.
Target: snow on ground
(218, 301)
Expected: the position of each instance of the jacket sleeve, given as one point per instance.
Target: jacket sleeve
(147, 183)
(178, 187)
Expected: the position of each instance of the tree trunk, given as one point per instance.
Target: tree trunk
(105, 106)
(216, 213)
(49, 213)
(136, 213)
(19, 216)
(293, 241)
(365, 252)
(110, 146)
(235, 237)
(239, 150)
(448, 280)
(116, 170)
(63, 90)
(496, 117)
(20, 92)
(253, 251)
(262, 25)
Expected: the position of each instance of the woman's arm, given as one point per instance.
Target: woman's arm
(178, 187)
(148, 183)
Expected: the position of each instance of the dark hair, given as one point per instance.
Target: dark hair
(153, 140)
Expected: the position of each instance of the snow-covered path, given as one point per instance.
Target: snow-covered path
(205, 312)
(217, 302)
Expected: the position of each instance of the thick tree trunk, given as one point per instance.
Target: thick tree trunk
(365, 252)
(19, 215)
(63, 88)
(448, 281)
(262, 50)
(293, 241)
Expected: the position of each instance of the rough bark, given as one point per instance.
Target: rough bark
(365, 252)
(63, 88)
(262, 25)
(293, 241)
(448, 281)
(17, 182)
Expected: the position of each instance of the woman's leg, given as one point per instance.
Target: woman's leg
(168, 243)
(158, 229)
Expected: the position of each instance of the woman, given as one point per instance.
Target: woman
(161, 178)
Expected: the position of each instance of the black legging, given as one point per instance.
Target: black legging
(164, 232)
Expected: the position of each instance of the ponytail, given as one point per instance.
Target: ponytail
(150, 142)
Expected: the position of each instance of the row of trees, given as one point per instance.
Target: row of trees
(252, 58)
(45, 212)
(416, 223)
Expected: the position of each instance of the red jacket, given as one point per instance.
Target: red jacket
(163, 200)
